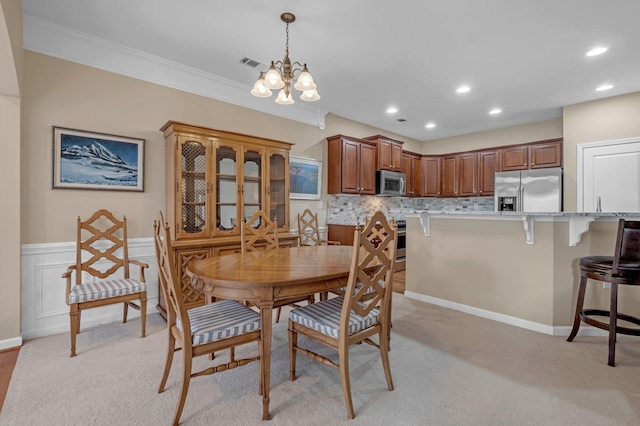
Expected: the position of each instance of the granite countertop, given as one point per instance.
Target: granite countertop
(519, 214)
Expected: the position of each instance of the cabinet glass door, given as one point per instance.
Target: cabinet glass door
(277, 188)
(252, 182)
(226, 169)
(193, 188)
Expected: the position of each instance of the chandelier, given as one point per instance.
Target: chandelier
(281, 74)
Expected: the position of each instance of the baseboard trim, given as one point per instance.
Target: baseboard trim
(506, 319)
(14, 342)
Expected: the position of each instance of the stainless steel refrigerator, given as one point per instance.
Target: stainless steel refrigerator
(538, 190)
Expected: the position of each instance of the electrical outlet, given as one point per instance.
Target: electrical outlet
(606, 284)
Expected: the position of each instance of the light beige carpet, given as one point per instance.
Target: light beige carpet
(448, 368)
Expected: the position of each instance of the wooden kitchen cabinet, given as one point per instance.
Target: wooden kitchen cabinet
(545, 154)
(215, 179)
(535, 155)
(468, 174)
(488, 165)
(430, 176)
(449, 176)
(412, 168)
(341, 233)
(389, 153)
(352, 165)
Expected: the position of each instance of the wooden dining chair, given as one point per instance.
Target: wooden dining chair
(101, 253)
(202, 330)
(353, 318)
(309, 230)
(260, 233)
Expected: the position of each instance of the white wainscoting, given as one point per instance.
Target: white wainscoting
(43, 308)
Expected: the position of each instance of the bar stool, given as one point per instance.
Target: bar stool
(621, 269)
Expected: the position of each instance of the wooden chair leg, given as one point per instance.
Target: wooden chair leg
(343, 356)
(184, 388)
(74, 326)
(126, 311)
(293, 342)
(579, 305)
(613, 324)
(278, 314)
(167, 366)
(143, 314)
(384, 353)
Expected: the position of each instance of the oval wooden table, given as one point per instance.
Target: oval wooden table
(267, 277)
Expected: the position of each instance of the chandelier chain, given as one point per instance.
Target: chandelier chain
(286, 51)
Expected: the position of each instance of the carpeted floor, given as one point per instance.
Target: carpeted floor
(449, 368)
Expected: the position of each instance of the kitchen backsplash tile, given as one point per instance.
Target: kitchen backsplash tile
(352, 209)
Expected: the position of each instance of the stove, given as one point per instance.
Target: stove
(401, 245)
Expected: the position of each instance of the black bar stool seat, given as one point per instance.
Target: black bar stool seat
(621, 269)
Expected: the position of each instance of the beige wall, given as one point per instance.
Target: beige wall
(61, 93)
(548, 129)
(603, 120)
(486, 264)
(10, 66)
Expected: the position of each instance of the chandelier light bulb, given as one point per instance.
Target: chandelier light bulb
(259, 90)
(284, 98)
(305, 81)
(310, 95)
(273, 79)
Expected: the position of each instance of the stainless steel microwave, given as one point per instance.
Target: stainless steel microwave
(390, 184)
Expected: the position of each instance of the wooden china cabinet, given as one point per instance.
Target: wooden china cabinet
(214, 180)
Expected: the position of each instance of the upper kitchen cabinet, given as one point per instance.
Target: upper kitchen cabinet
(488, 165)
(389, 155)
(467, 174)
(412, 168)
(352, 165)
(449, 175)
(431, 176)
(536, 155)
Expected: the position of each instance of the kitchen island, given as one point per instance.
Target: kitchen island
(517, 268)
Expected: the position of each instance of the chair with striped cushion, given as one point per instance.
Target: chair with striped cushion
(101, 252)
(309, 230)
(203, 330)
(362, 312)
(260, 233)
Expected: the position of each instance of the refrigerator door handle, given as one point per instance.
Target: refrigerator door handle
(521, 197)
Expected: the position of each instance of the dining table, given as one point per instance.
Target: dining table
(269, 277)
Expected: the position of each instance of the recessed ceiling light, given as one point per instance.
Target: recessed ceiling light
(463, 89)
(430, 125)
(495, 111)
(604, 87)
(597, 51)
(392, 110)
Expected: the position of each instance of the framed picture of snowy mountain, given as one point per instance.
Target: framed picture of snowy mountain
(89, 160)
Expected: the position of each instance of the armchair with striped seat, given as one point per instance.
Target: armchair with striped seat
(101, 252)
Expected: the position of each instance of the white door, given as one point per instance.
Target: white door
(610, 176)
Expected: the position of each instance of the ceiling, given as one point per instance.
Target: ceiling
(526, 57)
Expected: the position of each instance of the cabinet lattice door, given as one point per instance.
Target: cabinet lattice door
(193, 191)
(277, 188)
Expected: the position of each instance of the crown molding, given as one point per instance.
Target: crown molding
(50, 39)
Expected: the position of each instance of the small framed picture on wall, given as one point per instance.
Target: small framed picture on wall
(305, 178)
